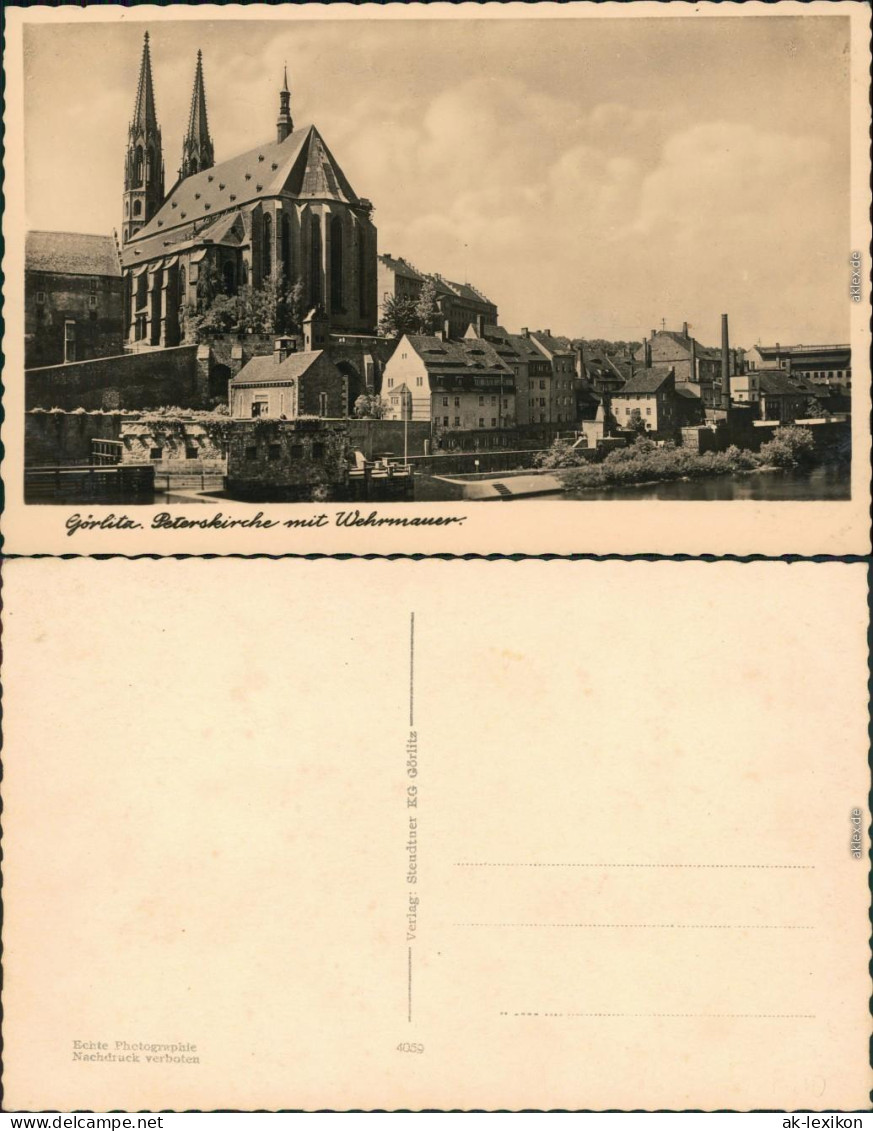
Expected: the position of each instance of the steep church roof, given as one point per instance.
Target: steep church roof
(301, 166)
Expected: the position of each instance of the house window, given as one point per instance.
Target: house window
(542, 384)
(445, 422)
(40, 298)
(260, 406)
(390, 382)
(322, 404)
(648, 411)
(92, 301)
(419, 380)
(274, 451)
(445, 402)
(318, 451)
(493, 421)
(457, 422)
(251, 453)
(69, 341)
(457, 402)
(156, 453)
(192, 452)
(494, 400)
(481, 421)
(297, 451)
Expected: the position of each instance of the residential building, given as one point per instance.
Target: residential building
(650, 397)
(692, 362)
(561, 401)
(397, 279)
(783, 398)
(73, 308)
(281, 212)
(826, 367)
(454, 384)
(531, 369)
(290, 384)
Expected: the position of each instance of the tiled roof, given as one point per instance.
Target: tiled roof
(301, 166)
(401, 267)
(775, 382)
(471, 355)
(686, 390)
(265, 370)
(550, 343)
(71, 253)
(646, 380)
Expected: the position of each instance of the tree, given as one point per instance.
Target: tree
(370, 407)
(398, 317)
(427, 310)
(636, 422)
(209, 282)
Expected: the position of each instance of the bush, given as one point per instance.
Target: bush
(791, 447)
(562, 453)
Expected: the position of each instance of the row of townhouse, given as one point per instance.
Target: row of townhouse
(487, 379)
(461, 304)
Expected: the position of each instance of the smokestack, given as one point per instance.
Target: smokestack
(525, 333)
(725, 364)
(693, 376)
(684, 329)
(647, 352)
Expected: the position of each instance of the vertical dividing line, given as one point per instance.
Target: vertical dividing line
(409, 987)
(411, 669)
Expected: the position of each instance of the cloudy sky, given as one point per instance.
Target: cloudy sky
(592, 176)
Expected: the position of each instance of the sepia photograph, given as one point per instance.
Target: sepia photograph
(282, 271)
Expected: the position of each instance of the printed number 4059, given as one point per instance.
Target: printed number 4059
(410, 1046)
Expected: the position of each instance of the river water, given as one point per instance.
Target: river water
(830, 481)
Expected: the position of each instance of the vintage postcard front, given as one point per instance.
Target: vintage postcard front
(329, 278)
(284, 834)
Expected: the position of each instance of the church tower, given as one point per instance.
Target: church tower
(144, 163)
(197, 152)
(284, 123)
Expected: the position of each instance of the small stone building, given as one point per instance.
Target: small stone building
(289, 384)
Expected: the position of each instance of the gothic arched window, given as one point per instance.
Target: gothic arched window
(362, 271)
(183, 285)
(336, 263)
(137, 166)
(286, 245)
(268, 246)
(229, 278)
(137, 208)
(316, 296)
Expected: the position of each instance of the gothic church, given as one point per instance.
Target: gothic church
(282, 211)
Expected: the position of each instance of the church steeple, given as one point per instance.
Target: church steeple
(284, 123)
(197, 151)
(144, 162)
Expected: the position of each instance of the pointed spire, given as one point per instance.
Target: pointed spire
(144, 117)
(284, 123)
(197, 152)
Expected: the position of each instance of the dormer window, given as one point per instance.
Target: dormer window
(183, 214)
(221, 184)
(233, 196)
(160, 223)
(274, 166)
(196, 195)
(248, 176)
(260, 157)
(259, 187)
(210, 177)
(175, 204)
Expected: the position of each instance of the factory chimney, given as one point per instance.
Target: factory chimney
(725, 365)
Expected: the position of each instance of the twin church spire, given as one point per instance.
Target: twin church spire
(144, 163)
(197, 151)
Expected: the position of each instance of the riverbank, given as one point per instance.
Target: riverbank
(646, 462)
